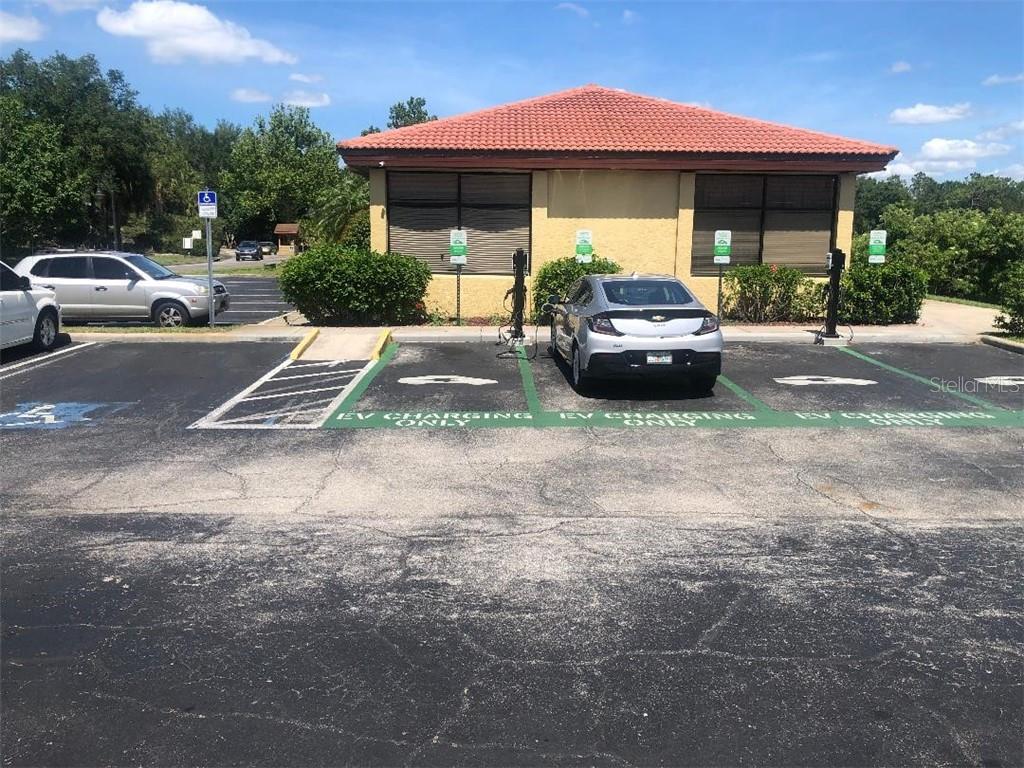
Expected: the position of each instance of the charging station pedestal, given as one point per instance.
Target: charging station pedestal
(835, 262)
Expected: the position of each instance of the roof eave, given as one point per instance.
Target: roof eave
(363, 159)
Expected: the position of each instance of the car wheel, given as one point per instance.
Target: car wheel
(170, 314)
(237, 257)
(580, 381)
(45, 337)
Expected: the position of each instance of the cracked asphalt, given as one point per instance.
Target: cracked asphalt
(497, 597)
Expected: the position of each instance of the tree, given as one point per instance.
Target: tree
(41, 190)
(873, 197)
(368, 130)
(277, 170)
(336, 207)
(409, 112)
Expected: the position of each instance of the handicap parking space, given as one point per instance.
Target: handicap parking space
(985, 372)
(555, 391)
(159, 385)
(438, 378)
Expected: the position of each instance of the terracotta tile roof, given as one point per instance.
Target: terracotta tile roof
(596, 119)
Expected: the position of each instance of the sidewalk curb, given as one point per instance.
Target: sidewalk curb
(995, 341)
(303, 345)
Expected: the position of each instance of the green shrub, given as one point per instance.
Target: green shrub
(1012, 300)
(881, 294)
(555, 277)
(766, 293)
(357, 232)
(334, 285)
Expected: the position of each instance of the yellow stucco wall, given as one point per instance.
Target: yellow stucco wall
(641, 219)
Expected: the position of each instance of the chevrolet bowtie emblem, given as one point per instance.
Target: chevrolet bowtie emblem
(659, 318)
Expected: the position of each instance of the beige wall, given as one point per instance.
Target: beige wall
(641, 219)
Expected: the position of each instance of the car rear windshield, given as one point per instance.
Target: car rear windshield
(150, 267)
(638, 293)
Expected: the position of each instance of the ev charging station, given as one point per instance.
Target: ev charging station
(835, 263)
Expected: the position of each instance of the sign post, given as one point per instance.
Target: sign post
(722, 252)
(876, 246)
(207, 202)
(458, 247)
(584, 246)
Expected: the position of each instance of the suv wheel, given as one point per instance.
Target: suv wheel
(170, 314)
(45, 337)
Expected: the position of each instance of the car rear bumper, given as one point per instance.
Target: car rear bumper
(633, 364)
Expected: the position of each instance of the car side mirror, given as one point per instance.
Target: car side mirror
(24, 283)
(130, 276)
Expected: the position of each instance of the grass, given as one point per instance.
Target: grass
(171, 259)
(145, 329)
(253, 271)
(967, 302)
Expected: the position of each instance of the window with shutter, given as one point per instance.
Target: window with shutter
(785, 220)
(493, 208)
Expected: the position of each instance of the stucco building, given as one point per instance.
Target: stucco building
(651, 179)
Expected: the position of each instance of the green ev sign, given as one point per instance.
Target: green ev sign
(458, 246)
(723, 245)
(876, 246)
(584, 246)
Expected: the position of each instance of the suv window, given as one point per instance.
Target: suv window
(71, 266)
(8, 279)
(40, 267)
(108, 269)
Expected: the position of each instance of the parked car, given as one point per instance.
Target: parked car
(248, 249)
(635, 326)
(27, 314)
(110, 285)
(267, 248)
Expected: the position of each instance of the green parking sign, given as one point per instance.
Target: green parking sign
(722, 245)
(458, 246)
(876, 246)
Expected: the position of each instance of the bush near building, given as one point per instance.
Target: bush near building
(335, 285)
(1013, 301)
(881, 294)
(555, 278)
(767, 293)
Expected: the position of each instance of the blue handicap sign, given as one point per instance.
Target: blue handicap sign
(38, 415)
(207, 197)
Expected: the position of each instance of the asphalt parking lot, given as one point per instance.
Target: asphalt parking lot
(635, 581)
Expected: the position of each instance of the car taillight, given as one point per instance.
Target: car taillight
(709, 325)
(602, 324)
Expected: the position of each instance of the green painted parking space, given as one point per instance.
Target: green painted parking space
(749, 397)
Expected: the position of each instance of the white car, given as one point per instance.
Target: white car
(27, 314)
(110, 285)
(642, 326)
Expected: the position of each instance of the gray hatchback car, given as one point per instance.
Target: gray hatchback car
(635, 325)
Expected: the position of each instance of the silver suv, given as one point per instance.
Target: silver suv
(109, 285)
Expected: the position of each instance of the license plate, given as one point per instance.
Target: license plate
(659, 358)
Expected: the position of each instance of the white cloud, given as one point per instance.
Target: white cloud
(177, 31)
(1003, 131)
(298, 77)
(1003, 79)
(899, 67)
(250, 95)
(1015, 171)
(924, 114)
(961, 149)
(306, 99)
(23, 29)
(628, 16)
(579, 10)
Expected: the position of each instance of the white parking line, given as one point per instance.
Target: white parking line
(40, 362)
(322, 373)
(227, 405)
(289, 393)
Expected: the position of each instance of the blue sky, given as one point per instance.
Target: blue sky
(943, 81)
